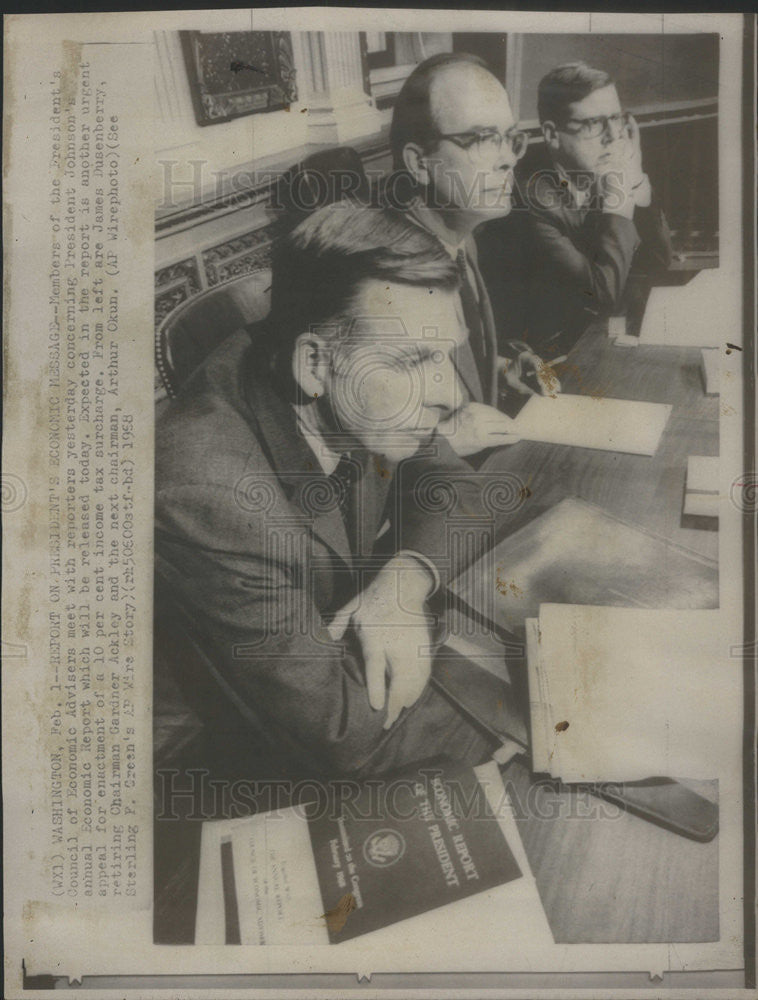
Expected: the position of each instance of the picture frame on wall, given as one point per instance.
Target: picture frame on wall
(237, 73)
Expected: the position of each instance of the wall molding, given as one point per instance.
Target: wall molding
(258, 180)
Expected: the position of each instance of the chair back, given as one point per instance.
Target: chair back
(323, 178)
(196, 327)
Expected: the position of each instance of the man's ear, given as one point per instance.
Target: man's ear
(311, 361)
(550, 133)
(416, 163)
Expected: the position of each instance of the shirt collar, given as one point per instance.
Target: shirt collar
(426, 219)
(327, 459)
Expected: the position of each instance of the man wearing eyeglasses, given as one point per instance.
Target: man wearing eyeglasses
(593, 216)
(454, 135)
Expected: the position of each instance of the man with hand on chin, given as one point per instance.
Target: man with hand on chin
(281, 527)
(593, 215)
(453, 135)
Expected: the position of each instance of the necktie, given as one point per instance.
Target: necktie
(473, 319)
(346, 478)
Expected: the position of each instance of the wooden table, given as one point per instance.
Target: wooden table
(604, 875)
(644, 490)
(614, 877)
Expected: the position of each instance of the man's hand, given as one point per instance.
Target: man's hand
(640, 182)
(528, 374)
(476, 426)
(394, 633)
(622, 182)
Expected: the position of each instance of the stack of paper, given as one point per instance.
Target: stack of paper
(621, 694)
(698, 314)
(711, 371)
(701, 496)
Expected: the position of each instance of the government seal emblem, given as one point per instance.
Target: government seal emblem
(384, 848)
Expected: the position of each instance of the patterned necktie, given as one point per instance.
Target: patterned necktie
(473, 318)
(346, 478)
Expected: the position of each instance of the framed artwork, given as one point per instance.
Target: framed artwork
(235, 73)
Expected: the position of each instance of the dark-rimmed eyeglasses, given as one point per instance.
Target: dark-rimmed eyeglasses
(615, 125)
(486, 144)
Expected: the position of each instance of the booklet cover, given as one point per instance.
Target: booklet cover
(449, 846)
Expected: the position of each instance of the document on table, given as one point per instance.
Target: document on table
(594, 422)
(623, 694)
(711, 371)
(701, 496)
(691, 315)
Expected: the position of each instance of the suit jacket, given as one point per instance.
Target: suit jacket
(580, 259)
(468, 366)
(487, 393)
(502, 259)
(251, 543)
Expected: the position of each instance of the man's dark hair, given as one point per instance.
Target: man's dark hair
(318, 267)
(412, 119)
(564, 85)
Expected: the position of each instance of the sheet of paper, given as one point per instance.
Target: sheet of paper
(539, 706)
(630, 692)
(278, 897)
(711, 371)
(589, 422)
(691, 315)
(277, 885)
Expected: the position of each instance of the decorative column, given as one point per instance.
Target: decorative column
(331, 87)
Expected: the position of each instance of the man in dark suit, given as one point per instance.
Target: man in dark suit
(454, 137)
(593, 215)
(294, 519)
